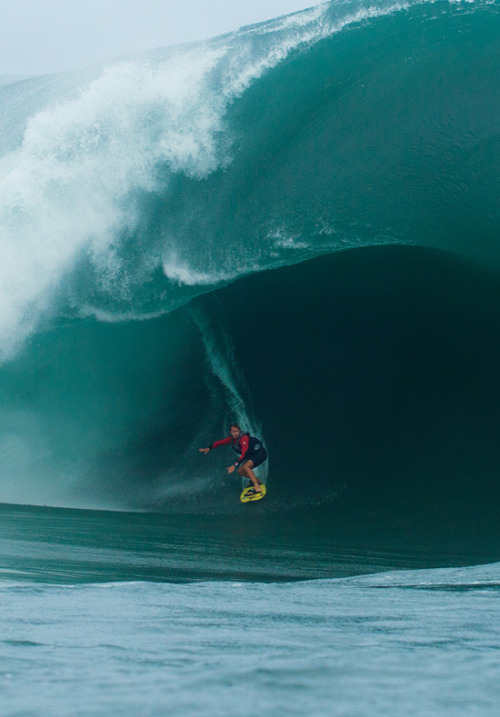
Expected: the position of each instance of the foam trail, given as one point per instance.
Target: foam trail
(223, 363)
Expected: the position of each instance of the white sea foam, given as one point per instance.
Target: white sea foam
(183, 274)
(71, 188)
(68, 186)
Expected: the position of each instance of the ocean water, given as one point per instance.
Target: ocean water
(418, 643)
(141, 614)
(295, 226)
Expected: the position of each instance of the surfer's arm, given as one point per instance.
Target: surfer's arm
(216, 444)
(222, 442)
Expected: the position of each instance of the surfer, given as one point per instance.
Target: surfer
(250, 450)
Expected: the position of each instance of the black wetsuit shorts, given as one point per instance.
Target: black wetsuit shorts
(258, 457)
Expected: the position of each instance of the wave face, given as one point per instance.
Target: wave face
(142, 207)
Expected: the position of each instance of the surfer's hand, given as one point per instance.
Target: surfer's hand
(204, 450)
(231, 469)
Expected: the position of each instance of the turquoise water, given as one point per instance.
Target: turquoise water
(418, 643)
(294, 226)
(156, 614)
(142, 614)
(305, 207)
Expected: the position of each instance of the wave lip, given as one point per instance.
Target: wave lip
(142, 180)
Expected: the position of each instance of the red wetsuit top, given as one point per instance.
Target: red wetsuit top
(244, 445)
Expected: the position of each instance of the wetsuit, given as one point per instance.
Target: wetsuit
(246, 446)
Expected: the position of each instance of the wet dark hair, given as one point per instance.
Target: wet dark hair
(235, 425)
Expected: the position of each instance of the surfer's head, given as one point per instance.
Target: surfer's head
(234, 430)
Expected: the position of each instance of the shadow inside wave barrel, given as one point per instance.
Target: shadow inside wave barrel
(375, 375)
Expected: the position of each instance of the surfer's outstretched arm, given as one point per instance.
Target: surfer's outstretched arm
(216, 444)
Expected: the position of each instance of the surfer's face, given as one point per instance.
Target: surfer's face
(235, 432)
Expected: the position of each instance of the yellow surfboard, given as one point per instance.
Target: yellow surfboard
(250, 494)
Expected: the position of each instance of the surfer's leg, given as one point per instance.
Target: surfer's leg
(246, 470)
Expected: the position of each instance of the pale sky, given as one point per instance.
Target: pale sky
(43, 36)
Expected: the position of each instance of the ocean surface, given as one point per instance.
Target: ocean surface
(295, 226)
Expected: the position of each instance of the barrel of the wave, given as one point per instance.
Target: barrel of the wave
(251, 454)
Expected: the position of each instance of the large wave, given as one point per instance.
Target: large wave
(131, 191)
